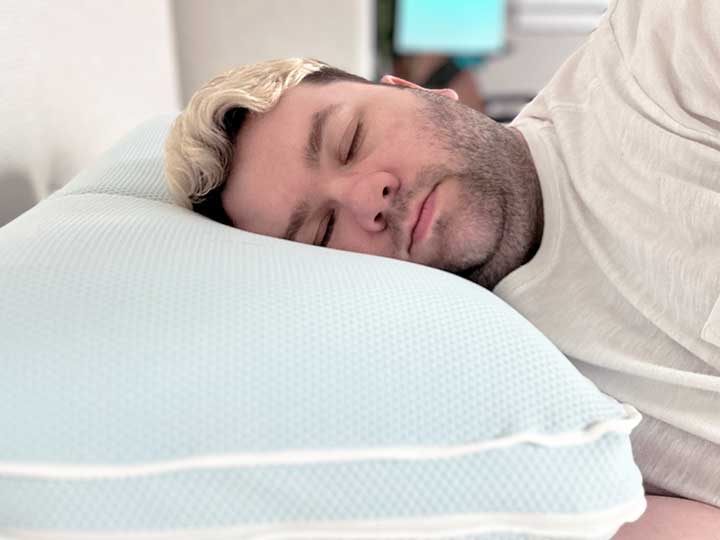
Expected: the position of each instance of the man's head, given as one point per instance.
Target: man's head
(300, 150)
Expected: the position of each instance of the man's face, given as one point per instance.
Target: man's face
(371, 169)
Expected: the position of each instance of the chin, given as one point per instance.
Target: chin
(463, 252)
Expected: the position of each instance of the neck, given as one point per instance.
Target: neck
(533, 199)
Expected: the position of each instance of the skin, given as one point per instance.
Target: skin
(671, 518)
(487, 218)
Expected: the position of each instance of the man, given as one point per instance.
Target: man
(596, 214)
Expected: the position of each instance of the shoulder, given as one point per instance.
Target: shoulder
(671, 50)
(657, 27)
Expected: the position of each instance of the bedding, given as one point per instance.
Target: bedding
(165, 376)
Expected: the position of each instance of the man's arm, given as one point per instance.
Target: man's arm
(672, 50)
(670, 518)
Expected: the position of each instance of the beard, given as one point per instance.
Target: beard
(497, 224)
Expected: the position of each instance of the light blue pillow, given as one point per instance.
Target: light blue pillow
(165, 376)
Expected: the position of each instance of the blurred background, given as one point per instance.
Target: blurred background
(77, 74)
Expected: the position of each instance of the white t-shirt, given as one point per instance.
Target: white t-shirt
(626, 141)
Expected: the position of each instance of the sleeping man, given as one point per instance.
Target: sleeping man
(596, 213)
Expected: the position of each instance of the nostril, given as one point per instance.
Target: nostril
(378, 217)
(386, 191)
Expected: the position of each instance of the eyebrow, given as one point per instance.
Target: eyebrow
(312, 157)
(314, 142)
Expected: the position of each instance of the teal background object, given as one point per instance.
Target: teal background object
(454, 27)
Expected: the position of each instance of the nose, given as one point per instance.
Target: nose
(370, 199)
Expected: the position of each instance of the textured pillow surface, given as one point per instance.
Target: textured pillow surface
(165, 376)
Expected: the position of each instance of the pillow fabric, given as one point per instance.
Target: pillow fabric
(165, 376)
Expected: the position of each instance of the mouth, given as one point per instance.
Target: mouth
(422, 219)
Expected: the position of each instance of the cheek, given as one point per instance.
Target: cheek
(398, 139)
(398, 128)
(349, 236)
(403, 155)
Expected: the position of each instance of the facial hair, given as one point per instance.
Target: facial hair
(501, 201)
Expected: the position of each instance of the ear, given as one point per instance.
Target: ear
(397, 81)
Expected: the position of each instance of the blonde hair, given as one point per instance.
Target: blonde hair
(199, 148)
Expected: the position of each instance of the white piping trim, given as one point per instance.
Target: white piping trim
(601, 524)
(60, 471)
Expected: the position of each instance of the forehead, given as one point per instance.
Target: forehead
(269, 172)
(279, 128)
(282, 131)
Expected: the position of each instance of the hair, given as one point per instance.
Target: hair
(199, 148)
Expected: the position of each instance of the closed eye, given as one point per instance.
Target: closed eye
(356, 141)
(329, 230)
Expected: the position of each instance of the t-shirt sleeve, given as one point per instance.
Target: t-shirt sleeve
(672, 50)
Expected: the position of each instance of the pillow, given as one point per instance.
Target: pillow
(165, 376)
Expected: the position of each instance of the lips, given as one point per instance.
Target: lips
(423, 219)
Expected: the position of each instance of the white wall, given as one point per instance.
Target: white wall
(214, 35)
(529, 64)
(542, 34)
(75, 75)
